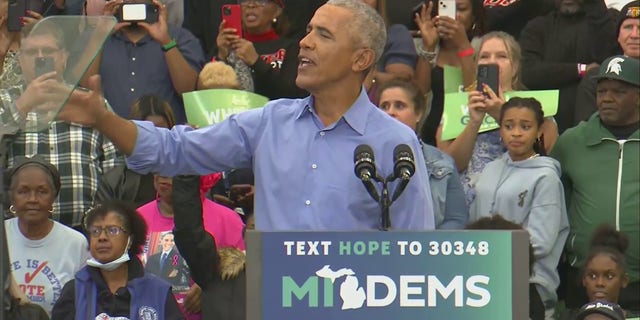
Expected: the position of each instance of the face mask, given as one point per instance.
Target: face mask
(110, 266)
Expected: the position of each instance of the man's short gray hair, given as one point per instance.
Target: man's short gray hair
(367, 26)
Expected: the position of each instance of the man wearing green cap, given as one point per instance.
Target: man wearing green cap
(601, 174)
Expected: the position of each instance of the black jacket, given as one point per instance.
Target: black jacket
(501, 14)
(221, 299)
(126, 185)
(554, 44)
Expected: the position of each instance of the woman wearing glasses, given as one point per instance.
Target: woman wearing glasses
(273, 58)
(114, 283)
(44, 254)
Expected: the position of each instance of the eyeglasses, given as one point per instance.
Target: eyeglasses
(112, 231)
(44, 51)
(256, 2)
(633, 12)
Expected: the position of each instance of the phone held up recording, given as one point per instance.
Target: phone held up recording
(447, 8)
(43, 65)
(488, 74)
(19, 8)
(138, 12)
(232, 15)
(16, 9)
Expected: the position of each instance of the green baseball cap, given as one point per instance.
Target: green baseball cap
(621, 68)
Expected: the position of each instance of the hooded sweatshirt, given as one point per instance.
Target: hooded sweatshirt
(528, 192)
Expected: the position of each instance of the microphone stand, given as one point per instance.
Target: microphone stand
(384, 200)
(385, 203)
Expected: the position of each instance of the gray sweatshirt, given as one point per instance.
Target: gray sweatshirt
(528, 192)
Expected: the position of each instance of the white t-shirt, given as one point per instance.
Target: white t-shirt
(42, 267)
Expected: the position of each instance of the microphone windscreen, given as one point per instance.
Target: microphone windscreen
(363, 151)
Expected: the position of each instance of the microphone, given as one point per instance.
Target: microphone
(403, 167)
(365, 169)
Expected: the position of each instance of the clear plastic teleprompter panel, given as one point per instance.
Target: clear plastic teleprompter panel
(53, 57)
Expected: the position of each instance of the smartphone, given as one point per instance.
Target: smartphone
(43, 65)
(232, 15)
(489, 75)
(138, 12)
(447, 8)
(16, 9)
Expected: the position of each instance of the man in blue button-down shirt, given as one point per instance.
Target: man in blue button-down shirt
(301, 150)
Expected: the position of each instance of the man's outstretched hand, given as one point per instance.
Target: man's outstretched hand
(85, 106)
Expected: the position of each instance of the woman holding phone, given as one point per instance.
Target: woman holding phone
(472, 150)
(273, 59)
(446, 40)
(10, 71)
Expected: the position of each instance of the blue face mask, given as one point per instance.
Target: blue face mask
(110, 266)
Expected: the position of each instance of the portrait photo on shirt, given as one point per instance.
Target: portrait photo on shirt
(160, 256)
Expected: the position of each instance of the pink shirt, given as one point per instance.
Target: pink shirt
(221, 222)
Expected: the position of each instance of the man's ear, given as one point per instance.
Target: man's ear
(363, 60)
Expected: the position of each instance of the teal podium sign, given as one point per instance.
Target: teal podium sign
(388, 275)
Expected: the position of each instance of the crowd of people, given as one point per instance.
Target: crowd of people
(164, 205)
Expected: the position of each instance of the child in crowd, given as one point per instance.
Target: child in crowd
(605, 272)
(524, 186)
(605, 268)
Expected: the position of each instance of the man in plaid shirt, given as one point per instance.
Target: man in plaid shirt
(80, 153)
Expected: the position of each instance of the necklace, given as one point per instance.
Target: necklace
(535, 155)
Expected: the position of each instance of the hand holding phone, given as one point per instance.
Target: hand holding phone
(447, 8)
(488, 74)
(232, 15)
(15, 10)
(44, 65)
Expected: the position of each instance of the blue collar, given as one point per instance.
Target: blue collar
(356, 116)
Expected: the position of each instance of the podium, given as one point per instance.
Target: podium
(444, 275)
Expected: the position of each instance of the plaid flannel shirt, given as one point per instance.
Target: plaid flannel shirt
(81, 155)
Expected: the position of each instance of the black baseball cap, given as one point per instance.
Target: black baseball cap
(609, 309)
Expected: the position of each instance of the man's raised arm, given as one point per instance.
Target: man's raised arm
(88, 107)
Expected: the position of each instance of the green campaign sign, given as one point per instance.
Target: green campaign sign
(207, 107)
(452, 79)
(456, 112)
